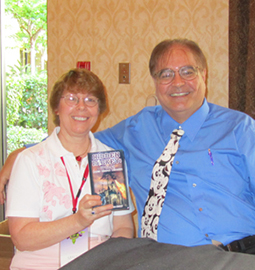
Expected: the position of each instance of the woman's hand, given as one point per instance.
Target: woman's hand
(89, 210)
(31, 234)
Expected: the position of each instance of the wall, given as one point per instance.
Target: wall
(107, 32)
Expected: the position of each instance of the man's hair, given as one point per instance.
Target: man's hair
(163, 47)
(78, 81)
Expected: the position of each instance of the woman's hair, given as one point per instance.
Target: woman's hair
(78, 81)
(163, 48)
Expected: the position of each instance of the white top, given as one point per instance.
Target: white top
(39, 185)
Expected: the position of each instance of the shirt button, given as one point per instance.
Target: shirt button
(206, 235)
(200, 209)
(194, 185)
(177, 162)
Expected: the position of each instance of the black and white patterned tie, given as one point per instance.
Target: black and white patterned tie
(159, 180)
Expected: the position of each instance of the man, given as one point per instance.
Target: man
(210, 194)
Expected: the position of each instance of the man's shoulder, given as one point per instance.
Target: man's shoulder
(230, 119)
(143, 116)
(138, 122)
(217, 110)
(100, 146)
(147, 112)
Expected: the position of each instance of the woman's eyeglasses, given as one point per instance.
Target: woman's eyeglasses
(73, 100)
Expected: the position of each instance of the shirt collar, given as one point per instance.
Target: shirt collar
(191, 126)
(57, 148)
(55, 145)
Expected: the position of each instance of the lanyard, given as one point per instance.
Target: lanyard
(84, 178)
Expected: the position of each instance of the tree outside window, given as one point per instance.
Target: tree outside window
(26, 80)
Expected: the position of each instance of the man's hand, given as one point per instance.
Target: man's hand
(6, 172)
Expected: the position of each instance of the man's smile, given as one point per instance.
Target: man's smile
(179, 94)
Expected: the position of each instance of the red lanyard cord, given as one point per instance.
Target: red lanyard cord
(84, 179)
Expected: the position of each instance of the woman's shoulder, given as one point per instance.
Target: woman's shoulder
(97, 145)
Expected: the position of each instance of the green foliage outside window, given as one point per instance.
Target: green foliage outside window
(33, 107)
(26, 83)
(26, 108)
(19, 136)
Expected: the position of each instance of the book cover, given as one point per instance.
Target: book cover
(108, 178)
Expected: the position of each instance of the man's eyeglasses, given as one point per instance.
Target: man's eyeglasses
(166, 76)
(73, 100)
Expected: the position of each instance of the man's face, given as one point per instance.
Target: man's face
(180, 98)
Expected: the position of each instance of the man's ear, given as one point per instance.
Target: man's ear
(203, 74)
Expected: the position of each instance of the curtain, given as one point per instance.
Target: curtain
(242, 56)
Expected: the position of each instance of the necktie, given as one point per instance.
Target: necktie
(159, 180)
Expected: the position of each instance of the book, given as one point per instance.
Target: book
(107, 172)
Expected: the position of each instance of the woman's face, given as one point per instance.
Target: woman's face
(76, 120)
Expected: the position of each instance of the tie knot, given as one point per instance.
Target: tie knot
(178, 132)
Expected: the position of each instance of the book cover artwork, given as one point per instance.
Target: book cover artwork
(108, 178)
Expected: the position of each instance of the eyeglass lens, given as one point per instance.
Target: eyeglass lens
(72, 100)
(165, 76)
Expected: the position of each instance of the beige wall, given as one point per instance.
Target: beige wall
(107, 32)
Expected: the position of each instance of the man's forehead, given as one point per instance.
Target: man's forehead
(177, 54)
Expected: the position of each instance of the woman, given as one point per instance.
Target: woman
(45, 179)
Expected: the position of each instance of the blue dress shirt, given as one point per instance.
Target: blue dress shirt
(210, 194)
